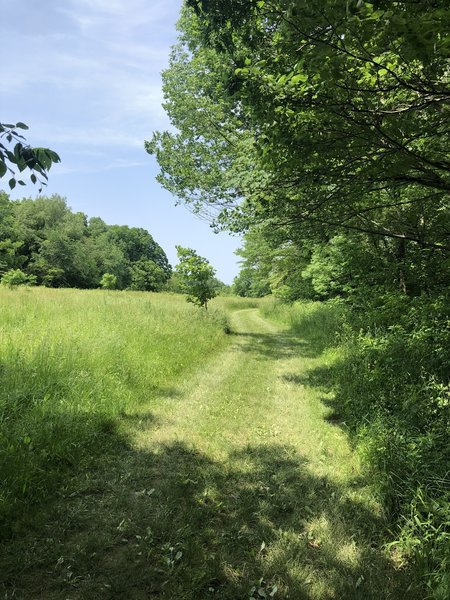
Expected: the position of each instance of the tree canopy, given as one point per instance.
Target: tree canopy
(60, 248)
(319, 116)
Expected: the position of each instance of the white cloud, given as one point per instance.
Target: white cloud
(119, 16)
(92, 79)
(119, 163)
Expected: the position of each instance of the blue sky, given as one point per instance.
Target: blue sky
(85, 75)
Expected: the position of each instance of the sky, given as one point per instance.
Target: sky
(85, 76)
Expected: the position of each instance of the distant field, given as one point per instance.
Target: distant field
(72, 364)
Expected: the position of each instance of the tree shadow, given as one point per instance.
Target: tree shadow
(323, 380)
(273, 346)
(170, 522)
(47, 433)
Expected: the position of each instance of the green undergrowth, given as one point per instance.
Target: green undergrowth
(232, 303)
(74, 365)
(320, 322)
(389, 386)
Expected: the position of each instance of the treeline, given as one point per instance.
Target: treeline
(53, 246)
(320, 130)
(354, 266)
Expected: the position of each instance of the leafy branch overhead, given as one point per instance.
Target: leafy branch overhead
(318, 117)
(17, 155)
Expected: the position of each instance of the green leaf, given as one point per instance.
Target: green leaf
(12, 183)
(55, 157)
(3, 168)
(43, 158)
(18, 150)
(21, 164)
(21, 125)
(11, 156)
(300, 77)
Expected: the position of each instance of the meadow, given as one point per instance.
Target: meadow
(146, 453)
(75, 363)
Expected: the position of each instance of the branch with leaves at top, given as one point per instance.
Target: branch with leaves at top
(21, 156)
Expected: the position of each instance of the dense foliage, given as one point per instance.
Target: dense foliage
(320, 129)
(196, 277)
(56, 247)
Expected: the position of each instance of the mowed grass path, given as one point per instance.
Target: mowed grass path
(234, 484)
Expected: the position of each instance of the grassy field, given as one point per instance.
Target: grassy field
(76, 363)
(146, 454)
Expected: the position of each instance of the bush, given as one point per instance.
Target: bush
(16, 277)
(394, 395)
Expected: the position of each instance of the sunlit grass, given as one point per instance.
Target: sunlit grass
(213, 471)
(73, 362)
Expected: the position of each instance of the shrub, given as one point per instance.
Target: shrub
(16, 277)
(394, 395)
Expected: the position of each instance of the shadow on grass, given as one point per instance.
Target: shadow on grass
(375, 392)
(323, 379)
(276, 346)
(171, 523)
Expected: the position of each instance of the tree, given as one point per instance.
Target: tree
(320, 130)
(9, 244)
(147, 276)
(62, 249)
(256, 266)
(152, 267)
(197, 277)
(108, 281)
(22, 156)
(314, 116)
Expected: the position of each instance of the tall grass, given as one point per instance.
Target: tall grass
(389, 377)
(318, 321)
(72, 363)
(231, 303)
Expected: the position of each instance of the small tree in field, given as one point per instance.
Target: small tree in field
(196, 277)
(108, 281)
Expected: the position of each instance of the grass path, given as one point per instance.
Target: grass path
(233, 485)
